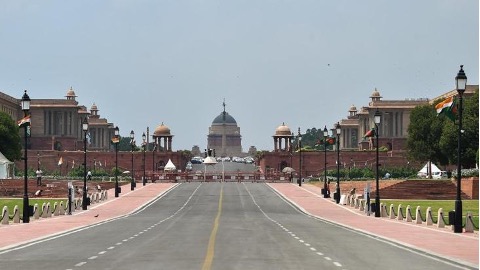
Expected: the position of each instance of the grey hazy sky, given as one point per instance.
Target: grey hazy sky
(302, 62)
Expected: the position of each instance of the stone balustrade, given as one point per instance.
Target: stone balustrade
(47, 211)
(358, 202)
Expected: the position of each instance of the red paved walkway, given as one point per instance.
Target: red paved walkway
(442, 242)
(128, 201)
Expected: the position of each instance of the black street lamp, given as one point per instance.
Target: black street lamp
(115, 142)
(25, 103)
(300, 152)
(85, 131)
(377, 117)
(337, 189)
(153, 160)
(144, 144)
(325, 187)
(461, 82)
(132, 144)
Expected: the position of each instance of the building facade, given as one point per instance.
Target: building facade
(224, 135)
(56, 124)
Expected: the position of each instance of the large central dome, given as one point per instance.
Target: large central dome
(219, 120)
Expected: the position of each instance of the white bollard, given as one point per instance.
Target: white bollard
(5, 215)
(440, 222)
(16, 214)
(418, 216)
(400, 213)
(429, 217)
(469, 223)
(392, 212)
(409, 213)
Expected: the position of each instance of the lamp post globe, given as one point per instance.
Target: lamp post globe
(377, 118)
(25, 104)
(325, 186)
(84, 195)
(132, 144)
(337, 189)
(461, 84)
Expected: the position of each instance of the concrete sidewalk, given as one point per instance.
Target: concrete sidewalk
(440, 242)
(128, 201)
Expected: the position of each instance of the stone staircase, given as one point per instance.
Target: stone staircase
(421, 189)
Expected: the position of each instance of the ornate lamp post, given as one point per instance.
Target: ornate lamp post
(300, 152)
(377, 117)
(144, 145)
(25, 102)
(132, 144)
(461, 82)
(153, 160)
(85, 131)
(115, 142)
(325, 187)
(337, 190)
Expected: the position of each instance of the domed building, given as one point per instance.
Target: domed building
(224, 135)
(163, 133)
(282, 134)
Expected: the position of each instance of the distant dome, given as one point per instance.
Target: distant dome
(94, 107)
(283, 130)
(375, 94)
(353, 108)
(161, 130)
(70, 94)
(229, 120)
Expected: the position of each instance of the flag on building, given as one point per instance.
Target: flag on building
(24, 121)
(330, 141)
(115, 139)
(369, 133)
(448, 108)
(60, 161)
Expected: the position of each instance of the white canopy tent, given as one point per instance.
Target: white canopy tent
(5, 167)
(170, 166)
(424, 171)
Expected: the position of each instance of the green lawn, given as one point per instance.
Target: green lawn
(10, 203)
(448, 205)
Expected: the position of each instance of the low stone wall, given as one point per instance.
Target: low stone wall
(405, 213)
(47, 211)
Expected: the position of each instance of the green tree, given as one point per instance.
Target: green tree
(449, 139)
(10, 145)
(424, 134)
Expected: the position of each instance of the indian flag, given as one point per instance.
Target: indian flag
(24, 121)
(369, 133)
(447, 107)
(115, 139)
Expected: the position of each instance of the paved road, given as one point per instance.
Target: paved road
(217, 226)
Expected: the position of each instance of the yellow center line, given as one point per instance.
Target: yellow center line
(207, 264)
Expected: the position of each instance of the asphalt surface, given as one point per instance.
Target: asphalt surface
(230, 226)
